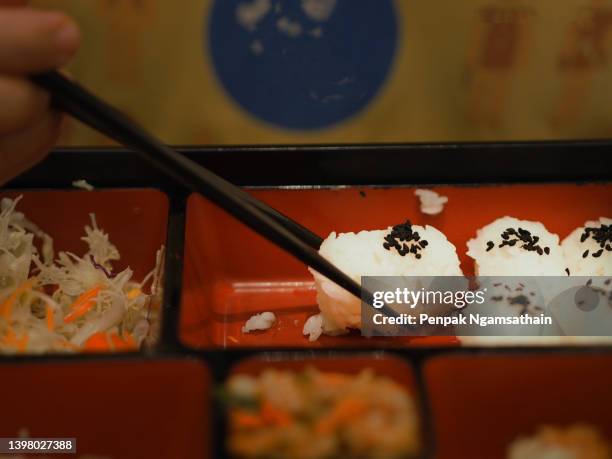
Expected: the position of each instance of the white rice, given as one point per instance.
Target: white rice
(83, 185)
(262, 321)
(431, 202)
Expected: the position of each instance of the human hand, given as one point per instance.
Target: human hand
(31, 41)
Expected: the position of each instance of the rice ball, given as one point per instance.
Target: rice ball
(512, 247)
(402, 250)
(588, 249)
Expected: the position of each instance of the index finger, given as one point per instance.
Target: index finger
(34, 41)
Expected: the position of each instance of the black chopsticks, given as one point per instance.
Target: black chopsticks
(297, 240)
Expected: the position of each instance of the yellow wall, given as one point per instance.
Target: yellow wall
(464, 70)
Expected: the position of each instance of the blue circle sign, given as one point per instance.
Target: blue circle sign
(302, 64)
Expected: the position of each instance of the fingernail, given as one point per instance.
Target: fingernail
(67, 39)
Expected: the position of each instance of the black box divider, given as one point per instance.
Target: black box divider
(173, 271)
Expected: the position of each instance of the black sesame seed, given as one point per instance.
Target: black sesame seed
(490, 245)
(520, 299)
(567, 271)
(540, 251)
(585, 254)
(418, 256)
(547, 250)
(497, 298)
(598, 253)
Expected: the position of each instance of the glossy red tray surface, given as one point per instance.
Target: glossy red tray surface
(118, 409)
(231, 273)
(135, 220)
(481, 404)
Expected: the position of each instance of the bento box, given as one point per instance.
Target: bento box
(218, 273)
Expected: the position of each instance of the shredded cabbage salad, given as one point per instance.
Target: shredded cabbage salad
(70, 303)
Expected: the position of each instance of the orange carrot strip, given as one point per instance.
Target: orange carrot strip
(123, 344)
(50, 318)
(133, 293)
(274, 415)
(22, 343)
(345, 410)
(82, 304)
(103, 341)
(11, 339)
(97, 342)
(7, 306)
(246, 420)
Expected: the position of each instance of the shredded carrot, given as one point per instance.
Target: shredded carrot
(344, 411)
(11, 339)
(274, 415)
(97, 342)
(103, 341)
(133, 293)
(7, 306)
(22, 343)
(50, 318)
(82, 304)
(247, 420)
(123, 344)
(232, 339)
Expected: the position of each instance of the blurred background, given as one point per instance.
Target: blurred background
(331, 71)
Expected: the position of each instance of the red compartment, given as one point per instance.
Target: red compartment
(508, 396)
(384, 365)
(231, 273)
(119, 409)
(389, 366)
(135, 220)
